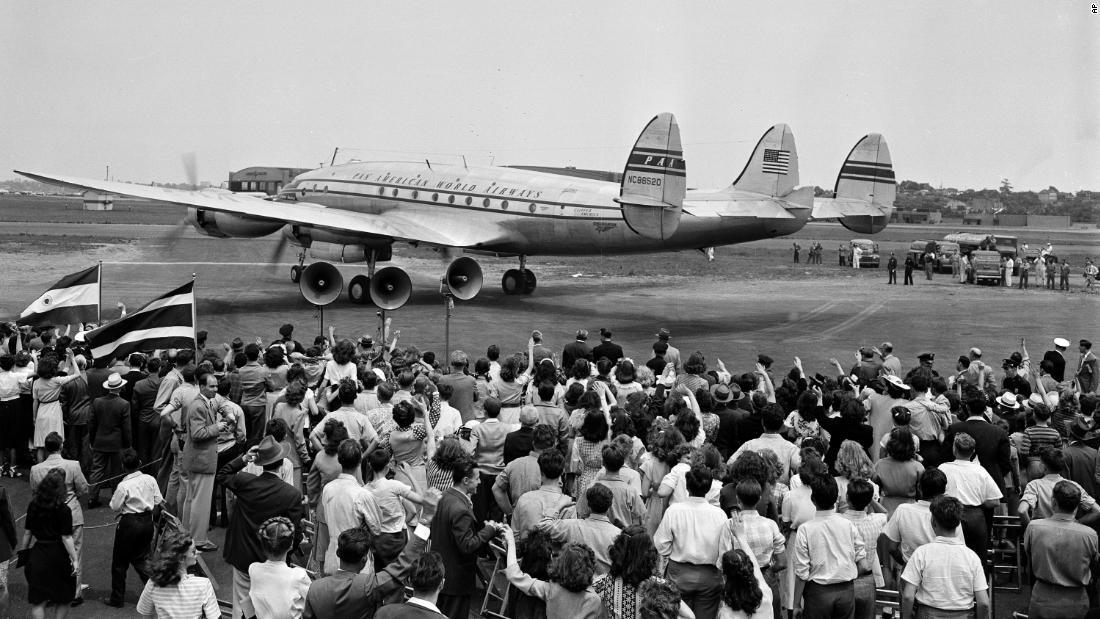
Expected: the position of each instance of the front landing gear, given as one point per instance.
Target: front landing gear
(519, 281)
(296, 270)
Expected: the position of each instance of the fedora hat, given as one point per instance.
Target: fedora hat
(114, 381)
(1079, 429)
(270, 451)
(1008, 400)
(721, 393)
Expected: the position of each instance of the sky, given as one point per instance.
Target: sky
(966, 93)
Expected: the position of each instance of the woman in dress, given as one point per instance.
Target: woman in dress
(625, 383)
(294, 413)
(51, 555)
(171, 592)
(588, 449)
(899, 472)
(341, 366)
(410, 442)
(804, 419)
(274, 369)
(633, 562)
(439, 468)
(509, 387)
(46, 391)
(662, 454)
(568, 594)
(708, 420)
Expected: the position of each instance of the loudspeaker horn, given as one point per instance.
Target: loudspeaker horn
(464, 278)
(390, 288)
(321, 283)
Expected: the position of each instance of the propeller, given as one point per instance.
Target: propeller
(191, 171)
(280, 245)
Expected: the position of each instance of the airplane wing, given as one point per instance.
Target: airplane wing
(391, 224)
(837, 208)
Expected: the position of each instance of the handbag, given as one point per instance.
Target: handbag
(21, 557)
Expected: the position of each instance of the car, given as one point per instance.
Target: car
(869, 258)
(945, 251)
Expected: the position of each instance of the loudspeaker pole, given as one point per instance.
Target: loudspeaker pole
(448, 306)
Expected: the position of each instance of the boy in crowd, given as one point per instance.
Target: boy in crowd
(944, 577)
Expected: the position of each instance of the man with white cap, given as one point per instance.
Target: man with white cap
(108, 433)
(1057, 358)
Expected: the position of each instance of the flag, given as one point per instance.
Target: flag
(776, 161)
(166, 322)
(73, 299)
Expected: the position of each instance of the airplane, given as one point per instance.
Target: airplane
(355, 212)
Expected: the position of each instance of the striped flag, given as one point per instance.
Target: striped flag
(776, 161)
(72, 300)
(167, 322)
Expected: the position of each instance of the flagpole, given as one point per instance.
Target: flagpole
(194, 318)
(99, 306)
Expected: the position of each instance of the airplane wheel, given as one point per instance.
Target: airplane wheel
(295, 273)
(529, 281)
(512, 282)
(359, 290)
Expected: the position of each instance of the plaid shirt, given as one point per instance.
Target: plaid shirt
(870, 526)
(761, 534)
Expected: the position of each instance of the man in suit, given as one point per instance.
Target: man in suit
(259, 497)
(134, 374)
(577, 349)
(200, 459)
(141, 408)
(426, 580)
(457, 539)
(351, 593)
(109, 434)
(1088, 369)
(612, 351)
(1057, 358)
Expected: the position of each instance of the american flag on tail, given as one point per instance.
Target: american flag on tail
(166, 322)
(73, 299)
(776, 161)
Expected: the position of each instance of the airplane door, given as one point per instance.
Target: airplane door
(562, 223)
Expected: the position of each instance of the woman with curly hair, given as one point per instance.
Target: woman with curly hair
(633, 562)
(274, 373)
(588, 449)
(277, 589)
(294, 413)
(538, 550)
(751, 465)
(693, 378)
(51, 561)
(663, 453)
(899, 472)
(410, 442)
(852, 463)
(742, 594)
(568, 594)
(625, 380)
(46, 403)
(172, 592)
(708, 420)
(439, 468)
(660, 600)
(509, 387)
(804, 419)
(674, 484)
(341, 366)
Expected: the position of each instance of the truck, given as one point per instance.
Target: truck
(986, 266)
(869, 258)
(945, 253)
(1007, 246)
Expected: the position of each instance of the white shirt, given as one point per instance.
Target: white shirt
(827, 548)
(689, 532)
(388, 494)
(784, 449)
(278, 590)
(359, 428)
(911, 526)
(969, 482)
(285, 472)
(946, 574)
(136, 493)
(9, 386)
(450, 420)
(347, 505)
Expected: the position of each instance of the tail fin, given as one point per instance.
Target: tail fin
(868, 173)
(773, 167)
(654, 180)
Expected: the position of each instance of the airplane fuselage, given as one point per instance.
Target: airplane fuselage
(532, 213)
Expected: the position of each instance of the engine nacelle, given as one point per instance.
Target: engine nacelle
(337, 252)
(224, 225)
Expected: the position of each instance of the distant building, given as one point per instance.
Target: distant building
(916, 217)
(1047, 196)
(262, 179)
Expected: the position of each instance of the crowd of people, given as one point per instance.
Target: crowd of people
(604, 486)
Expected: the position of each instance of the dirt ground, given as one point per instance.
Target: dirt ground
(751, 299)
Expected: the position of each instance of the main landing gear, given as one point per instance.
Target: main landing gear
(359, 286)
(519, 281)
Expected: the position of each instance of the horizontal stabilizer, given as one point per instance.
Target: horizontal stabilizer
(654, 181)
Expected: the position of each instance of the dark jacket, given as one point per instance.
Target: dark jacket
(611, 350)
(132, 378)
(109, 428)
(8, 540)
(76, 404)
(992, 447)
(519, 443)
(258, 498)
(842, 429)
(573, 351)
(406, 611)
(144, 397)
(1055, 357)
(344, 595)
(456, 538)
(727, 441)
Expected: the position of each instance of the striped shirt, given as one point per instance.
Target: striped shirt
(1036, 438)
(191, 597)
